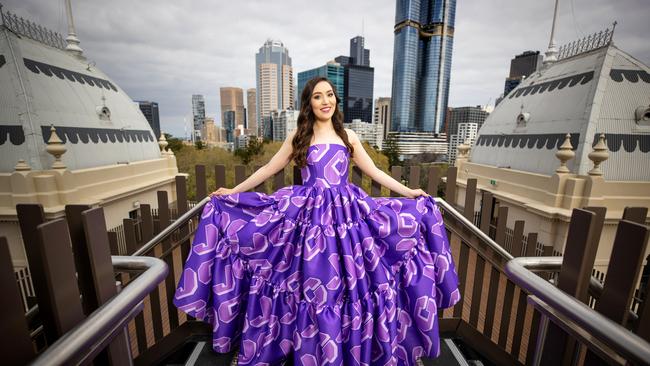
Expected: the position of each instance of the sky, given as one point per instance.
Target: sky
(165, 51)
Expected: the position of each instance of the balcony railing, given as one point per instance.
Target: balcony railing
(502, 315)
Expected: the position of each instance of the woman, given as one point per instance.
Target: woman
(320, 273)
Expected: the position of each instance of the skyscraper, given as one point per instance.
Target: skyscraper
(520, 67)
(359, 82)
(333, 71)
(275, 85)
(150, 111)
(359, 54)
(424, 33)
(232, 99)
(382, 114)
(198, 114)
(229, 125)
(251, 109)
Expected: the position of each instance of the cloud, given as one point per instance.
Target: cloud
(166, 51)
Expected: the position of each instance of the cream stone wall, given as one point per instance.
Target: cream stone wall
(119, 189)
(545, 202)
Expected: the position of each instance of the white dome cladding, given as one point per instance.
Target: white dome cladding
(43, 86)
(601, 91)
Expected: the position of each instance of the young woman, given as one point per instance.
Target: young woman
(320, 273)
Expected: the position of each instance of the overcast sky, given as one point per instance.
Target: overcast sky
(165, 51)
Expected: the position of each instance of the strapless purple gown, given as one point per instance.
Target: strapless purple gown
(321, 272)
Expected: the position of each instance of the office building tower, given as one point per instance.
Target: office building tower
(150, 111)
(358, 82)
(333, 71)
(209, 132)
(464, 115)
(275, 84)
(251, 110)
(198, 114)
(382, 114)
(521, 67)
(232, 99)
(229, 125)
(283, 122)
(358, 54)
(423, 46)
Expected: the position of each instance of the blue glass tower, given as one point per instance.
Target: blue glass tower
(333, 71)
(424, 31)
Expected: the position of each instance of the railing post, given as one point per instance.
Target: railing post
(201, 185)
(414, 176)
(396, 173)
(16, 349)
(433, 180)
(470, 198)
(450, 188)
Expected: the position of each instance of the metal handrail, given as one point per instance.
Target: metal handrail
(86, 339)
(171, 228)
(475, 230)
(612, 334)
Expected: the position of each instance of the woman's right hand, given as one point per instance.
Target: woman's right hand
(222, 191)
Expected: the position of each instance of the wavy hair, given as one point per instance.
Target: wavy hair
(306, 120)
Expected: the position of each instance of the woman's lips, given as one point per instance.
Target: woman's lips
(326, 109)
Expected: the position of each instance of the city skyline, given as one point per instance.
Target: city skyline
(196, 57)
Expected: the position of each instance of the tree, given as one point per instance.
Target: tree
(248, 153)
(174, 144)
(391, 150)
(199, 145)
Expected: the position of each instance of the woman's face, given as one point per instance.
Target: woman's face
(323, 101)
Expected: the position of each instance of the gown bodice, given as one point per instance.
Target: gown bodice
(327, 166)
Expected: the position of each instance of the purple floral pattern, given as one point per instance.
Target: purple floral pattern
(320, 272)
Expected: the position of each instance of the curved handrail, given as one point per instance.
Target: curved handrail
(87, 338)
(628, 344)
(171, 228)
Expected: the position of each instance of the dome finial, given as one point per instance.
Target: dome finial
(72, 40)
(56, 148)
(564, 154)
(599, 155)
(552, 52)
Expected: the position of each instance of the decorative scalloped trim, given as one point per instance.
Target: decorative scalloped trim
(551, 85)
(632, 76)
(16, 134)
(629, 142)
(550, 141)
(96, 135)
(50, 70)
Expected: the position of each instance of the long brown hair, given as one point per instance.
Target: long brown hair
(306, 120)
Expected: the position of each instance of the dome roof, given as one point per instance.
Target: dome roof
(43, 85)
(601, 91)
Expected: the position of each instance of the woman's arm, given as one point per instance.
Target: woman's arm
(277, 163)
(365, 163)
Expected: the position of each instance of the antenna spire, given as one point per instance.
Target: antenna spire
(552, 52)
(72, 40)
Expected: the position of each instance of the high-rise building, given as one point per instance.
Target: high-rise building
(229, 125)
(464, 115)
(209, 131)
(424, 33)
(251, 109)
(382, 114)
(283, 122)
(232, 99)
(150, 111)
(333, 71)
(359, 82)
(198, 114)
(521, 67)
(274, 77)
(359, 54)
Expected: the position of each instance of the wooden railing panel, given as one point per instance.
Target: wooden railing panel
(103, 278)
(433, 180)
(61, 280)
(240, 174)
(357, 175)
(470, 199)
(219, 176)
(200, 181)
(450, 188)
(16, 347)
(396, 173)
(278, 180)
(414, 176)
(81, 258)
(487, 203)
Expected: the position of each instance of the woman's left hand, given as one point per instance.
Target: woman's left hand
(415, 193)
